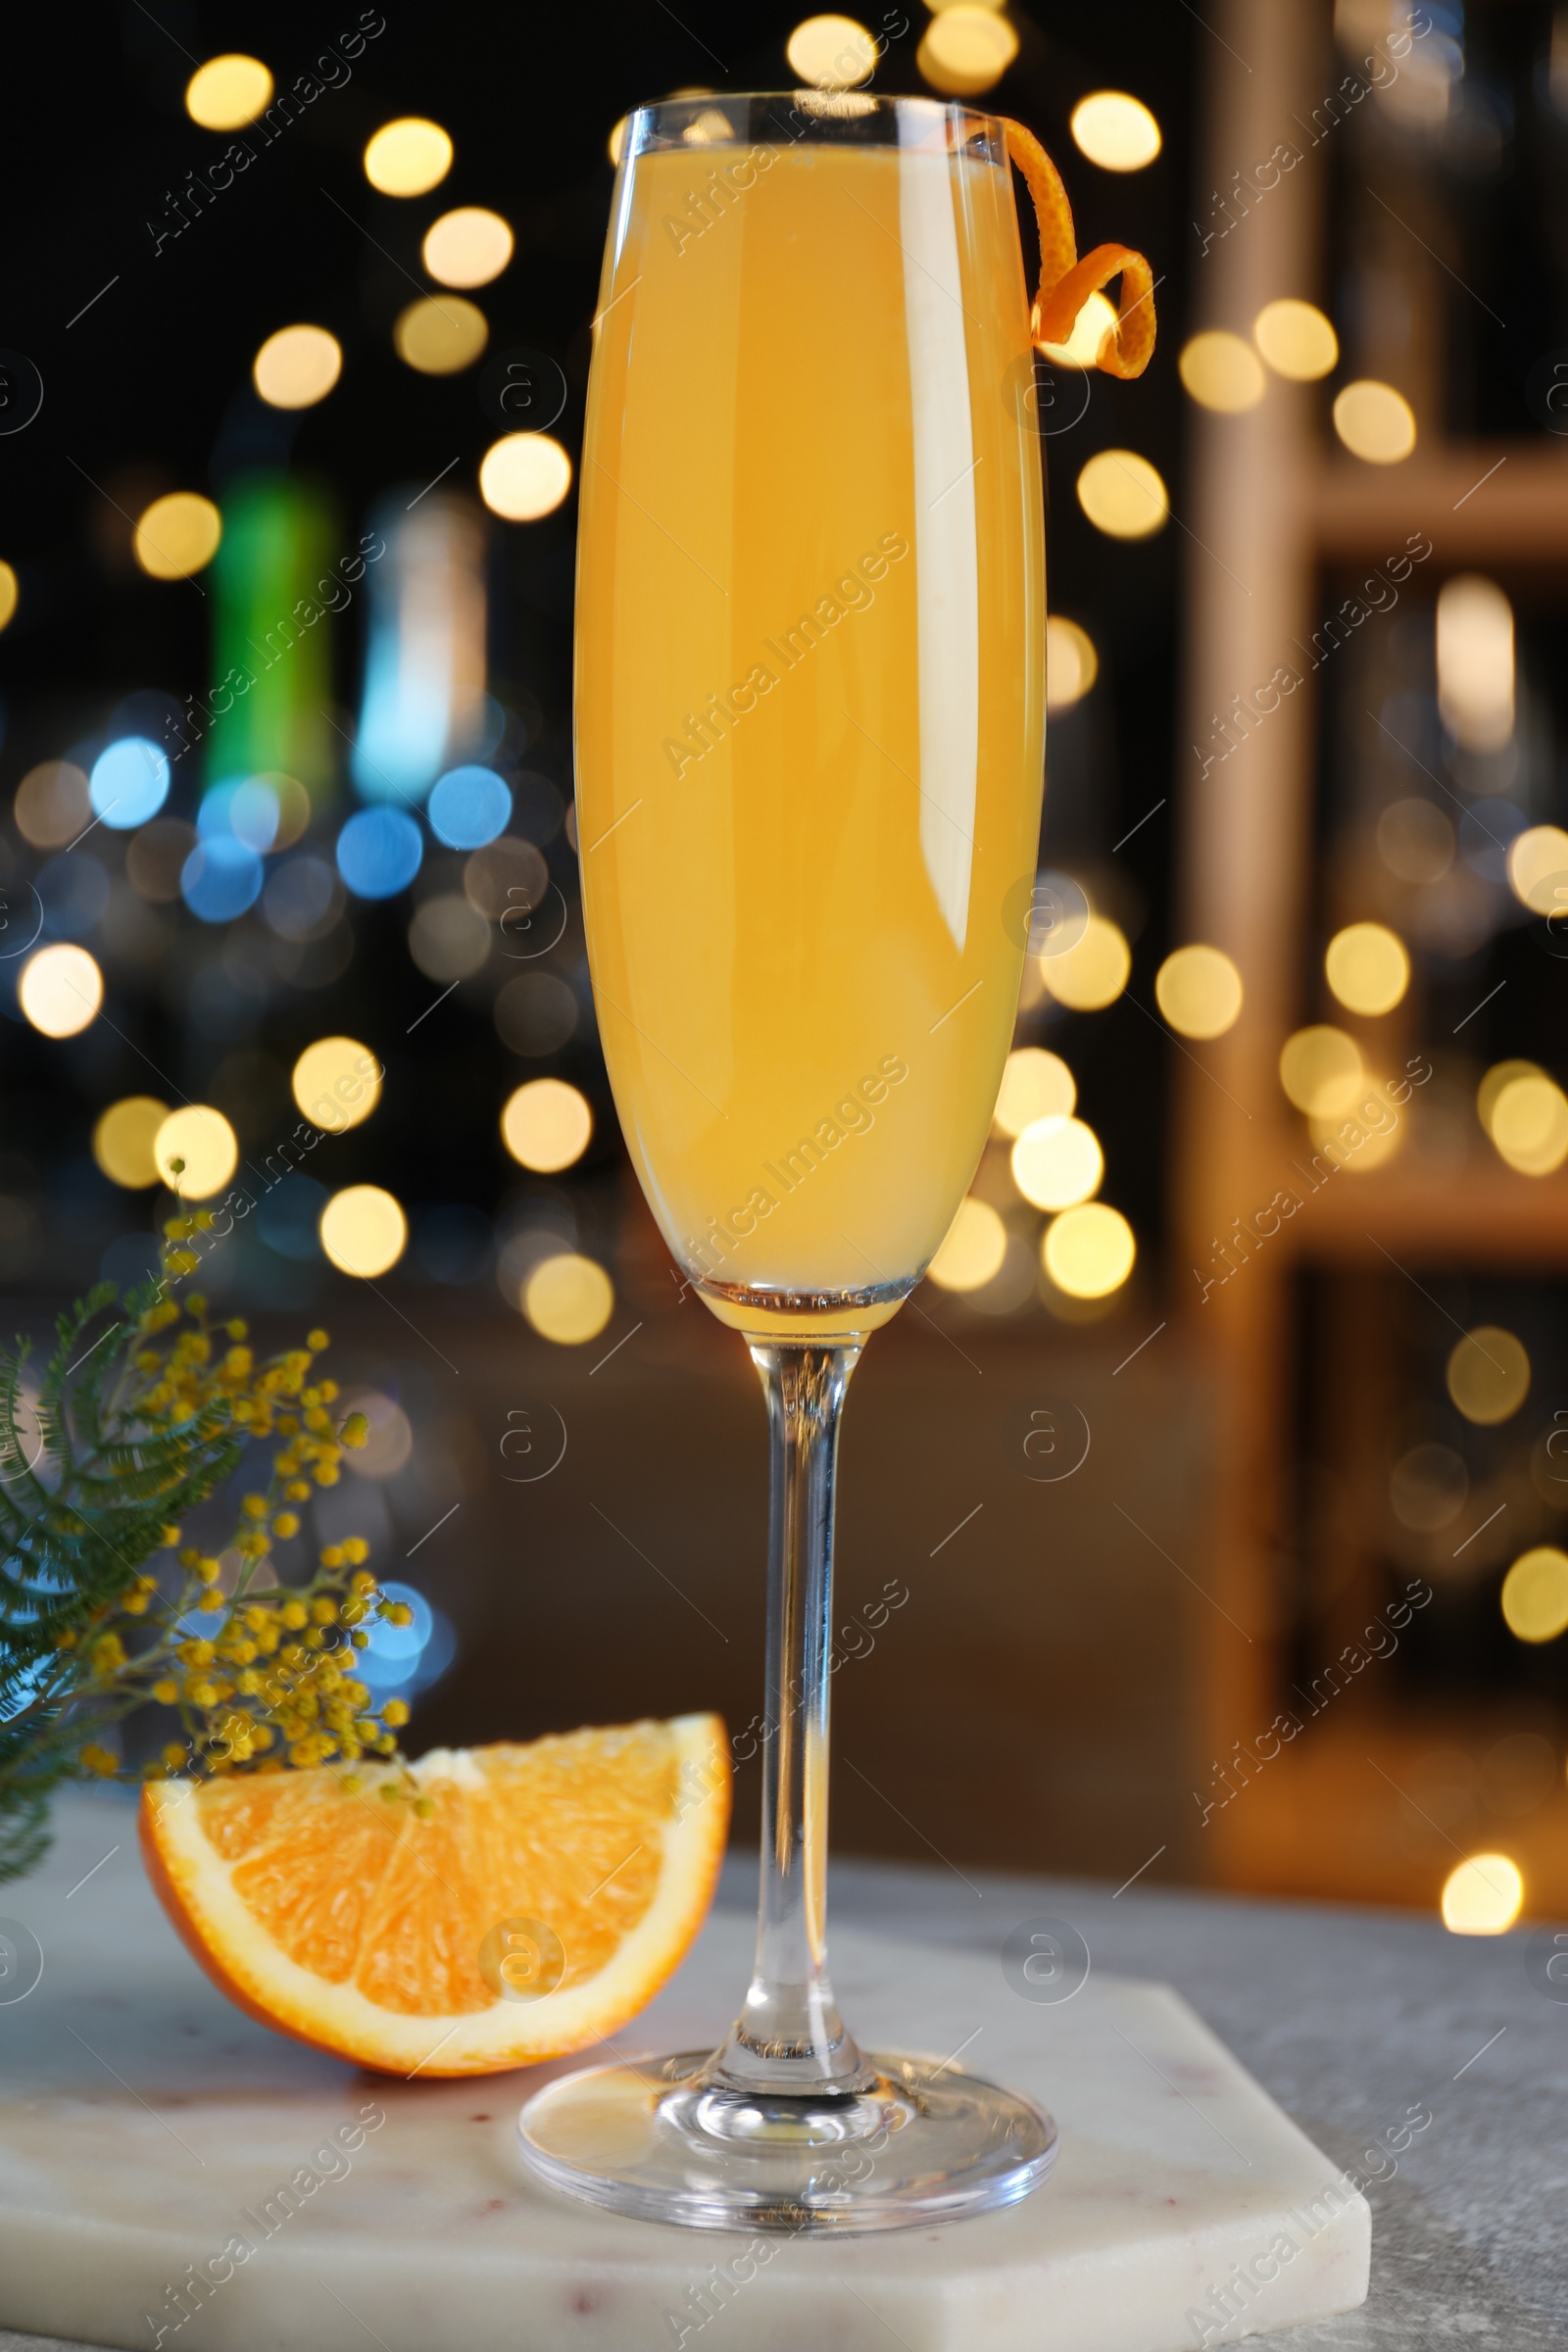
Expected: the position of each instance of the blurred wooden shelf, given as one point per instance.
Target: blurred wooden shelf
(1347, 1812)
(1479, 1216)
(1494, 502)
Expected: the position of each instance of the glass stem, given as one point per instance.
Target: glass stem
(789, 2040)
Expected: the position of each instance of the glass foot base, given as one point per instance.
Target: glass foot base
(664, 2142)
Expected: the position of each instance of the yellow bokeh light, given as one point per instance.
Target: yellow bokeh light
(337, 1083)
(1058, 1162)
(1537, 866)
(709, 128)
(8, 593)
(1501, 1076)
(468, 247)
(965, 50)
(1535, 1595)
(440, 334)
(617, 138)
(61, 990)
(1092, 972)
(973, 1252)
(292, 802)
(1321, 1071)
(202, 1140)
(1529, 1124)
(229, 91)
(1378, 1129)
(1089, 1252)
(1296, 340)
(1475, 662)
(546, 1125)
(830, 53)
(363, 1231)
(297, 366)
(1489, 1375)
(1199, 989)
(1035, 1085)
(1123, 495)
(1367, 967)
(569, 1298)
(177, 535)
(123, 1138)
(1115, 131)
(407, 157)
(1375, 422)
(1089, 328)
(1482, 1896)
(1071, 662)
(1222, 373)
(524, 477)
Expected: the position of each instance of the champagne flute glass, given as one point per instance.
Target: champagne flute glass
(809, 711)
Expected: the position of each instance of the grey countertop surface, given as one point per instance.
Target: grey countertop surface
(1349, 2018)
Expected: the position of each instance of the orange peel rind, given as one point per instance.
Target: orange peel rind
(1067, 283)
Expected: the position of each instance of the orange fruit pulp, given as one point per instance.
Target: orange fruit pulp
(480, 1909)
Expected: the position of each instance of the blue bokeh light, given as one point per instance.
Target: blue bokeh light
(469, 806)
(221, 878)
(129, 782)
(378, 852)
(402, 1659)
(243, 807)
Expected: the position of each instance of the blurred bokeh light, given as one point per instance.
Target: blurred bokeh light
(1321, 1071)
(336, 1083)
(1489, 1375)
(965, 50)
(440, 334)
(546, 1125)
(229, 91)
(177, 535)
(1222, 373)
(407, 157)
(569, 1298)
(1296, 340)
(1090, 1250)
(972, 1249)
(1535, 1595)
(466, 248)
(1122, 495)
(1116, 132)
(1056, 1162)
(297, 366)
(364, 1230)
(1199, 989)
(524, 477)
(1368, 967)
(124, 1139)
(1071, 662)
(61, 990)
(204, 1144)
(1483, 1896)
(1035, 1085)
(1375, 422)
(1092, 971)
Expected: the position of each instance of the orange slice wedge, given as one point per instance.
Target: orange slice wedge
(483, 1908)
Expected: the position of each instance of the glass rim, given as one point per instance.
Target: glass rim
(845, 114)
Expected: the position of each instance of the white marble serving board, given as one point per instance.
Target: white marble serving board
(146, 2128)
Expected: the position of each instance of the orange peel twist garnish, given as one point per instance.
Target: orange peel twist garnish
(1067, 283)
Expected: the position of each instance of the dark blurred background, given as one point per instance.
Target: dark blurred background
(1140, 1482)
